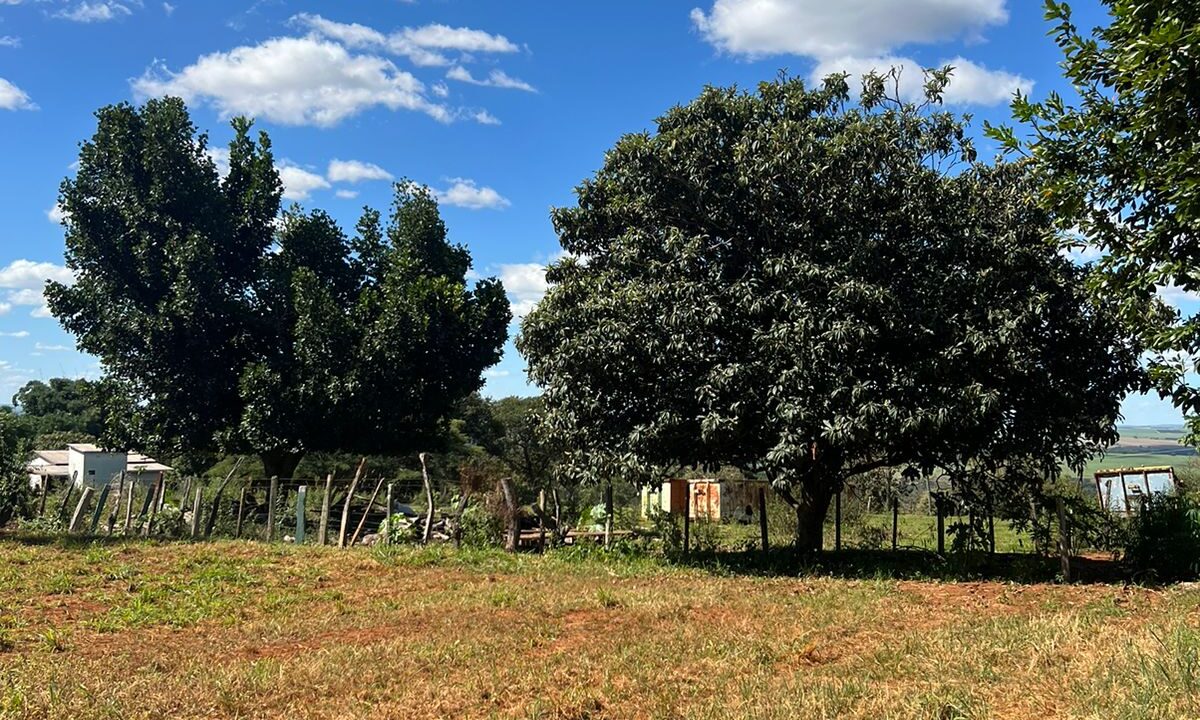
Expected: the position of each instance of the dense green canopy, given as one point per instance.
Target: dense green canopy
(809, 290)
(220, 323)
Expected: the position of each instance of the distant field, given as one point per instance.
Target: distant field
(1145, 445)
(240, 630)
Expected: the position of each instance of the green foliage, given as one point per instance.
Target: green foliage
(59, 411)
(222, 326)
(1120, 167)
(778, 282)
(14, 482)
(1165, 539)
(482, 526)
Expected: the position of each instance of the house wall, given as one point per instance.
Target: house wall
(95, 469)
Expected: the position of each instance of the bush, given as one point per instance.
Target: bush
(482, 526)
(1165, 539)
(14, 482)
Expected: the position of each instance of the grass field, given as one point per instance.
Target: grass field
(239, 630)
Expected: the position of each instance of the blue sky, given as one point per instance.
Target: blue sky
(502, 108)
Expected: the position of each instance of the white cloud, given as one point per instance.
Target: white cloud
(440, 89)
(5, 308)
(525, 284)
(483, 117)
(1176, 296)
(496, 78)
(56, 214)
(424, 46)
(51, 348)
(293, 81)
(30, 275)
(14, 98)
(496, 373)
(466, 194)
(25, 281)
(298, 183)
(354, 171)
(90, 12)
(347, 194)
(970, 84)
(168, 8)
(18, 334)
(220, 158)
(10, 41)
(825, 28)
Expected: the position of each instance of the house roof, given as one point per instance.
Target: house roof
(55, 463)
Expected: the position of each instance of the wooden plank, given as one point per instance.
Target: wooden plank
(78, 515)
(99, 511)
(346, 506)
(195, 525)
(323, 531)
(272, 496)
(301, 496)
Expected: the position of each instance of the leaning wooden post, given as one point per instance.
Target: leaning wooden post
(215, 507)
(1064, 540)
(78, 515)
(237, 531)
(65, 504)
(99, 510)
(272, 496)
(42, 502)
(153, 497)
(349, 498)
(301, 495)
(194, 530)
(116, 509)
(363, 520)
(129, 505)
(323, 531)
(542, 520)
(837, 521)
(762, 519)
(895, 523)
(427, 533)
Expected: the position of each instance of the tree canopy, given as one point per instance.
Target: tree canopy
(222, 322)
(1120, 167)
(808, 289)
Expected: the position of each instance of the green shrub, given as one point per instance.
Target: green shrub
(1164, 541)
(481, 526)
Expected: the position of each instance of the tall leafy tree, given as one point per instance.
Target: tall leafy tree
(63, 406)
(223, 323)
(1120, 167)
(808, 290)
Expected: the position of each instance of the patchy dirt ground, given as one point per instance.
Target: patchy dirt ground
(241, 630)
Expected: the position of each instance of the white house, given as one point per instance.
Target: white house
(91, 466)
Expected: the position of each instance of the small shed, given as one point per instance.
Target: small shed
(705, 499)
(92, 466)
(1121, 490)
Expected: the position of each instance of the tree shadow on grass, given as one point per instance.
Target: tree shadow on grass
(908, 564)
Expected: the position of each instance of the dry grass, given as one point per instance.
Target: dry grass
(239, 630)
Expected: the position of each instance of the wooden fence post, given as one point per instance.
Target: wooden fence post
(216, 501)
(129, 506)
(65, 504)
(1064, 540)
(195, 528)
(349, 498)
(542, 520)
(323, 531)
(762, 519)
(939, 505)
(237, 532)
(895, 523)
(608, 513)
(363, 520)
(837, 521)
(116, 510)
(512, 534)
(99, 509)
(154, 497)
(390, 530)
(272, 495)
(427, 533)
(42, 502)
(83, 498)
(301, 496)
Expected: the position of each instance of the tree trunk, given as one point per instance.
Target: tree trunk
(280, 463)
(811, 503)
(512, 533)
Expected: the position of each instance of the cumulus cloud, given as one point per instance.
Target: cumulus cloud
(465, 193)
(91, 12)
(298, 183)
(25, 280)
(970, 83)
(856, 36)
(14, 98)
(525, 284)
(424, 46)
(483, 117)
(496, 78)
(220, 158)
(820, 28)
(292, 81)
(10, 41)
(355, 171)
(1176, 296)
